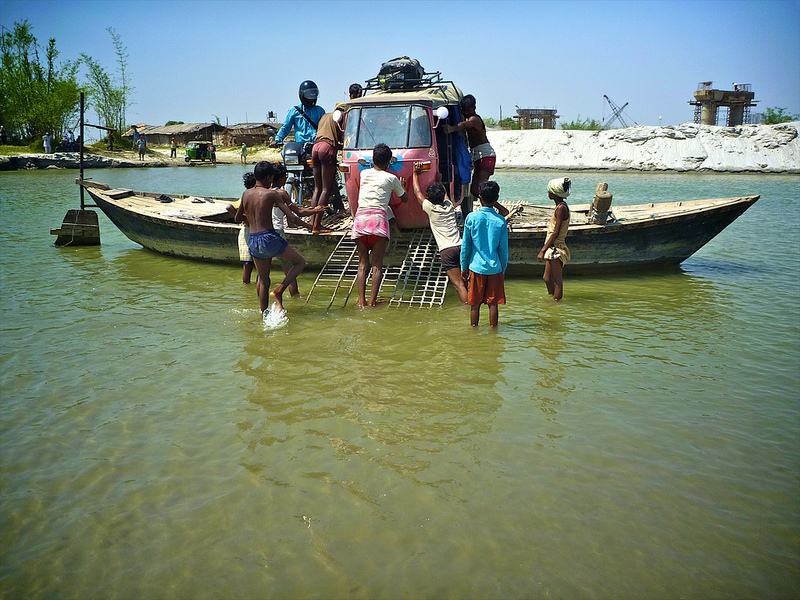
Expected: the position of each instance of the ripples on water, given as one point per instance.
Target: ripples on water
(639, 439)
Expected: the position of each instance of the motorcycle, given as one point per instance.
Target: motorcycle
(296, 157)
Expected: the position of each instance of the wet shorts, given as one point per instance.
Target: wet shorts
(370, 240)
(266, 244)
(486, 289)
(451, 258)
(323, 154)
(486, 164)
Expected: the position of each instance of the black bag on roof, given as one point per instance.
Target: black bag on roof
(401, 73)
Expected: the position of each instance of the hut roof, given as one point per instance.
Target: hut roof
(249, 126)
(183, 128)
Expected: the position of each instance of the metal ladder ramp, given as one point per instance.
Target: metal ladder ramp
(421, 279)
(339, 271)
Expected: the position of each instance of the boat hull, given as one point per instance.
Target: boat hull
(637, 240)
(642, 244)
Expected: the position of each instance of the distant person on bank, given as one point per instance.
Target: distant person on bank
(555, 252)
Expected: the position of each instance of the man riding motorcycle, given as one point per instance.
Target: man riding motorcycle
(304, 117)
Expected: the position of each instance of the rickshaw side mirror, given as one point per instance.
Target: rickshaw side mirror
(441, 114)
(337, 118)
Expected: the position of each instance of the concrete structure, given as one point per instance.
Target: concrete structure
(708, 100)
(536, 118)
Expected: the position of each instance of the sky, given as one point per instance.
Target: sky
(199, 60)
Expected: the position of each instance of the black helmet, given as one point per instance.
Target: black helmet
(308, 93)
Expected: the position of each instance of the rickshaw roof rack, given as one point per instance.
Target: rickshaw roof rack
(428, 80)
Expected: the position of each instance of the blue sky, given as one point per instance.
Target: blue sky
(192, 60)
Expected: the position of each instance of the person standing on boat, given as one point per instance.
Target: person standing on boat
(355, 91)
(325, 164)
(303, 118)
(483, 155)
(484, 255)
(264, 242)
(555, 252)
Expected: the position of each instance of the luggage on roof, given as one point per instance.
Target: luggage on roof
(402, 73)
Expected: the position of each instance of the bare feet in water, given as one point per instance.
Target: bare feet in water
(277, 297)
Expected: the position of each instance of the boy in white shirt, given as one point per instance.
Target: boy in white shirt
(442, 215)
(370, 229)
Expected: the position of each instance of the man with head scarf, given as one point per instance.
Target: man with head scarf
(555, 252)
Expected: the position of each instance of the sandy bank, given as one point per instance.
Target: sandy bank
(687, 147)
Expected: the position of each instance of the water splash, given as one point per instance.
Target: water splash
(274, 317)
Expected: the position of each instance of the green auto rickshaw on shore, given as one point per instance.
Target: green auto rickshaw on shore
(197, 150)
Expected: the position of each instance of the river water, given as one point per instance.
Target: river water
(639, 440)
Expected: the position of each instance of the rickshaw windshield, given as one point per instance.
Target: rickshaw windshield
(395, 126)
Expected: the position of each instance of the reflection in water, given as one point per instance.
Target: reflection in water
(368, 396)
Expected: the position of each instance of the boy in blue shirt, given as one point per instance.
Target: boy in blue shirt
(484, 255)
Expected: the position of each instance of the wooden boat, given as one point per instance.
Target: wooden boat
(641, 236)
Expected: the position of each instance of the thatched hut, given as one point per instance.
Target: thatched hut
(184, 132)
(252, 134)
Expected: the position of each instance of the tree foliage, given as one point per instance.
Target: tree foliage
(773, 116)
(508, 123)
(109, 96)
(586, 124)
(35, 97)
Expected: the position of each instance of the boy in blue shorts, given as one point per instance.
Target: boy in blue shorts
(264, 242)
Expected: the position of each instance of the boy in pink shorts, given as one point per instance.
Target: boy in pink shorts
(371, 224)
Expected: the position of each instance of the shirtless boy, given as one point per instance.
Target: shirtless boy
(264, 242)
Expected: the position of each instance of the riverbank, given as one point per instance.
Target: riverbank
(156, 157)
(681, 148)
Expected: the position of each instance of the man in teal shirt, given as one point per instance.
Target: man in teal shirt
(304, 118)
(484, 254)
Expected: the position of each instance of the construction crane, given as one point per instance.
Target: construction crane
(616, 114)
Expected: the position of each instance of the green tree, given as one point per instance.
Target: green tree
(509, 123)
(776, 115)
(586, 124)
(35, 98)
(109, 96)
(168, 123)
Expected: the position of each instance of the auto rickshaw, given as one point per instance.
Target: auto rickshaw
(197, 150)
(405, 115)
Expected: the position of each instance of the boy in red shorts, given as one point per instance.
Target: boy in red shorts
(484, 255)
